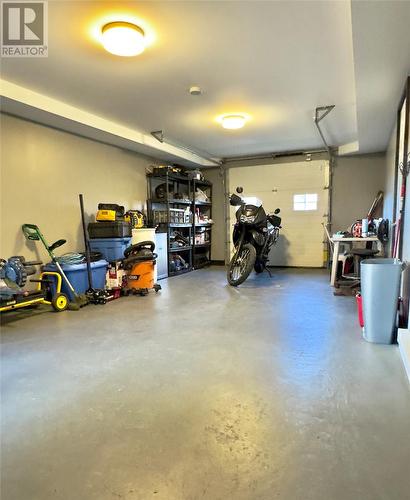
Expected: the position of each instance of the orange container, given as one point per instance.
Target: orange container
(140, 277)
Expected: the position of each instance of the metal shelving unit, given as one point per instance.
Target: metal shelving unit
(180, 249)
(196, 255)
(201, 251)
(173, 183)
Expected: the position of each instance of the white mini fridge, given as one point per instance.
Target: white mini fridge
(161, 242)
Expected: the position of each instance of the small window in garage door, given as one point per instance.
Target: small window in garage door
(305, 202)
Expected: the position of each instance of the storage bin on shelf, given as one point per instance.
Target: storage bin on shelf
(112, 249)
(77, 275)
(176, 216)
(117, 229)
(160, 216)
(200, 238)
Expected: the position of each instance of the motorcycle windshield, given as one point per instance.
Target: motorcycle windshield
(252, 200)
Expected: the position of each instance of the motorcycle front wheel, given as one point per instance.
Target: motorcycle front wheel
(241, 265)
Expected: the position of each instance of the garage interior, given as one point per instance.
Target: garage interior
(168, 345)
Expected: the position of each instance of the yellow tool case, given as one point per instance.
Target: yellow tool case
(106, 215)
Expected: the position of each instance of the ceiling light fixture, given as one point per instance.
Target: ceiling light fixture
(233, 121)
(123, 39)
(195, 90)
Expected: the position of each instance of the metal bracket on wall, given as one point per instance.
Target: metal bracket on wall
(158, 134)
(160, 137)
(320, 113)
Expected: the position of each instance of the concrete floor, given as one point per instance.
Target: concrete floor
(204, 392)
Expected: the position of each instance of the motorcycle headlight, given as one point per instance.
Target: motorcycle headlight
(247, 219)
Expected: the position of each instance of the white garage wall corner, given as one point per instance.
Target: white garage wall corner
(406, 225)
(406, 258)
(356, 182)
(215, 176)
(389, 188)
(42, 172)
(389, 180)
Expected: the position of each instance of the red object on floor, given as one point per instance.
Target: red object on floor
(115, 293)
(359, 303)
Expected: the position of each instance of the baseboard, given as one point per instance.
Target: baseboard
(403, 338)
(295, 267)
(222, 263)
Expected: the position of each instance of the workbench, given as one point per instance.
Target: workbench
(336, 250)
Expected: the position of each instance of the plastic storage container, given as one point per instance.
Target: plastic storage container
(112, 249)
(77, 275)
(161, 249)
(380, 280)
(117, 229)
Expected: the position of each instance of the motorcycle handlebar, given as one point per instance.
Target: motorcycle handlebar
(235, 200)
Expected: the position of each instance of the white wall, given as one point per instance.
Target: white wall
(356, 181)
(406, 226)
(42, 172)
(404, 334)
(390, 176)
(218, 229)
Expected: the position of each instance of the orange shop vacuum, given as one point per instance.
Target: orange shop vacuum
(139, 264)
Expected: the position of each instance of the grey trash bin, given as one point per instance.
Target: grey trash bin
(380, 284)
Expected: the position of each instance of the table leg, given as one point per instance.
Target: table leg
(380, 248)
(334, 263)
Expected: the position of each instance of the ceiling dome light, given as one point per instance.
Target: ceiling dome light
(195, 90)
(123, 39)
(233, 121)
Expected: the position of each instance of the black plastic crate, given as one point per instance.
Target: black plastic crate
(117, 229)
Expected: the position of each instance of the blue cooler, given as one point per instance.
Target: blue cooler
(78, 277)
(112, 249)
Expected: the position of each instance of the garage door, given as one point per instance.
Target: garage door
(300, 190)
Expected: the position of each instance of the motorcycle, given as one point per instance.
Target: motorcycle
(254, 234)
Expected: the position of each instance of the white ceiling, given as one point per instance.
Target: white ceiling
(274, 60)
(381, 39)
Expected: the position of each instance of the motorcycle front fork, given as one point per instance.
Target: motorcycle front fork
(265, 251)
(240, 242)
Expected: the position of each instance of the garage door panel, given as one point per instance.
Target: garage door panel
(284, 200)
(299, 249)
(264, 178)
(301, 239)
